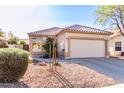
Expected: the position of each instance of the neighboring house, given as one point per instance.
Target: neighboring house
(75, 41)
(24, 47)
(116, 43)
(10, 35)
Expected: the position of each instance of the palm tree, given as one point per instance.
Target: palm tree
(1, 33)
(13, 40)
(3, 42)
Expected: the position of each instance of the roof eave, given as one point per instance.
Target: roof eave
(39, 35)
(85, 32)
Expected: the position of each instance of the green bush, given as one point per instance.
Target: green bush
(13, 64)
(22, 43)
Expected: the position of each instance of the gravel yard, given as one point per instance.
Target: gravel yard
(78, 76)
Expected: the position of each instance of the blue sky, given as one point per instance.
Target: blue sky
(23, 19)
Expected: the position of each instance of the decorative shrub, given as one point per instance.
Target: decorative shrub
(13, 64)
(47, 45)
(3, 43)
(22, 42)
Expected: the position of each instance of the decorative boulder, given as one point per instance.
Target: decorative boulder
(3, 43)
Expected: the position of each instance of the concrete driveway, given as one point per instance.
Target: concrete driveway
(111, 67)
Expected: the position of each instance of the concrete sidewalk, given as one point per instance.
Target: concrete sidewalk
(116, 86)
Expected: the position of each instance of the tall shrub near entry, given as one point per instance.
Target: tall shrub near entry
(46, 46)
(13, 64)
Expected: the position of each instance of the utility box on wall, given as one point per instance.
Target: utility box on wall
(122, 53)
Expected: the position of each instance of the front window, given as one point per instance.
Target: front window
(44, 39)
(117, 46)
(37, 44)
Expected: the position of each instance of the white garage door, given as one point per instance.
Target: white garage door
(80, 48)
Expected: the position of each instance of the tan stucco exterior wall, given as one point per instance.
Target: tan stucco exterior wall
(65, 38)
(61, 44)
(63, 41)
(112, 41)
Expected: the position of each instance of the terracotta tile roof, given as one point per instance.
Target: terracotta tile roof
(73, 28)
(80, 28)
(50, 31)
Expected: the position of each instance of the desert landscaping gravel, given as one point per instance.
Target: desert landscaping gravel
(38, 76)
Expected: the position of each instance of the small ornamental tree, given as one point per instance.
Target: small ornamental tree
(46, 46)
(22, 43)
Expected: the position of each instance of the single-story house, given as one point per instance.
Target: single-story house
(75, 41)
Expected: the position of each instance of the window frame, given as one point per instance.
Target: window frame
(118, 46)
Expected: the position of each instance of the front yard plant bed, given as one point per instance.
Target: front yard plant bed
(78, 76)
(38, 76)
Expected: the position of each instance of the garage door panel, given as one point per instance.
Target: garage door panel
(87, 48)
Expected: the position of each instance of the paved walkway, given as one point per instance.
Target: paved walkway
(116, 86)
